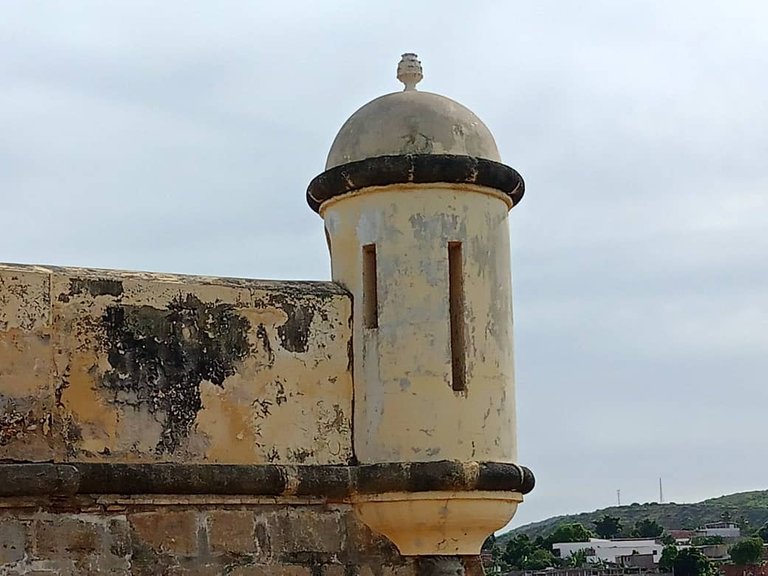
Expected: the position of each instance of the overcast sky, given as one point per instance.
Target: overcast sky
(180, 137)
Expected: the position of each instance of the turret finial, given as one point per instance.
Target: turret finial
(409, 71)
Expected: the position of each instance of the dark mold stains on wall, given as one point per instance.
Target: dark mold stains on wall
(294, 334)
(94, 287)
(14, 425)
(159, 357)
(301, 302)
(263, 351)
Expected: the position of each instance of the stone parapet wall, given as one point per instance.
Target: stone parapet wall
(163, 424)
(243, 536)
(107, 366)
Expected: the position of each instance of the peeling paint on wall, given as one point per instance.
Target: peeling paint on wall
(404, 367)
(95, 287)
(159, 357)
(112, 366)
(294, 333)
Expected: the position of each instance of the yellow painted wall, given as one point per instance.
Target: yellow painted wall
(130, 367)
(405, 405)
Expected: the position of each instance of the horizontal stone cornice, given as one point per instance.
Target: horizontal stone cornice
(414, 169)
(326, 481)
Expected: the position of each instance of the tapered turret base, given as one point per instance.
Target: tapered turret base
(438, 523)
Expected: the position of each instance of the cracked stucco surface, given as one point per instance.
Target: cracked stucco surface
(137, 367)
(406, 408)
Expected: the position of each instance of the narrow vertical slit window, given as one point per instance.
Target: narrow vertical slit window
(370, 289)
(456, 311)
(328, 241)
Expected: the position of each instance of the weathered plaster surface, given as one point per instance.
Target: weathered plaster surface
(453, 523)
(411, 122)
(130, 367)
(198, 536)
(26, 364)
(405, 407)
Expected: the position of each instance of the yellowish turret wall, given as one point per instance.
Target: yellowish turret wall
(407, 407)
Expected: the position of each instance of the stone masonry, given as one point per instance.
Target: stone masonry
(193, 535)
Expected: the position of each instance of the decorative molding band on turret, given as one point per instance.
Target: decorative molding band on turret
(332, 482)
(414, 169)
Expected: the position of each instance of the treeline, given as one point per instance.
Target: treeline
(747, 509)
(524, 553)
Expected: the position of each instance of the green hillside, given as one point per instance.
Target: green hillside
(750, 509)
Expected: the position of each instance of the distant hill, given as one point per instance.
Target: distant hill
(749, 507)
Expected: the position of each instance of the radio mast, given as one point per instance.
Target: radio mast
(661, 492)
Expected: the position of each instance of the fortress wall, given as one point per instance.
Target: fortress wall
(122, 367)
(192, 535)
(163, 424)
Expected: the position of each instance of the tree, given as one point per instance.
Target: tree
(747, 552)
(647, 528)
(518, 550)
(667, 539)
(491, 545)
(744, 525)
(568, 533)
(667, 560)
(691, 562)
(763, 532)
(523, 554)
(608, 526)
(539, 560)
(577, 559)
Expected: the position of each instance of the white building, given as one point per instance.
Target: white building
(724, 529)
(610, 550)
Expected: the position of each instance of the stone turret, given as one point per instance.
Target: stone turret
(153, 423)
(415, 203)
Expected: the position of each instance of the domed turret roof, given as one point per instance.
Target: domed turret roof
(411, 122)
(413, 137)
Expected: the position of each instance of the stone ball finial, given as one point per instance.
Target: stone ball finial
(409, 71)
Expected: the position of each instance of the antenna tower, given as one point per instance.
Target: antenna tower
(661, 492)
